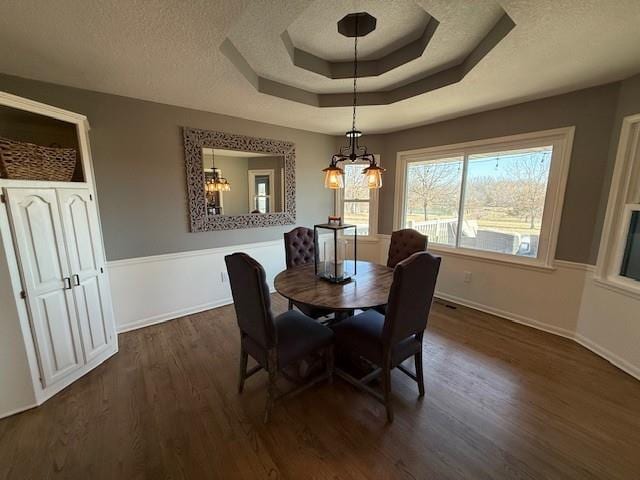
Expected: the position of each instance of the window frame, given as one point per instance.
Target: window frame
(624, 196)
(562, 141)
(374, 195)
(253, 195)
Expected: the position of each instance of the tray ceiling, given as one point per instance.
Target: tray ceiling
(170, 52)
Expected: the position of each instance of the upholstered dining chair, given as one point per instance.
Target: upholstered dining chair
(387, 341)
(299, 248)
(274, 343)
(404, 243)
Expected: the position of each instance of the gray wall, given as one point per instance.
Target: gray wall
(139, 168)
(592, 112)
(139, 162)
(234, 169)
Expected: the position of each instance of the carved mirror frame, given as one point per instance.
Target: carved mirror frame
(195, 140)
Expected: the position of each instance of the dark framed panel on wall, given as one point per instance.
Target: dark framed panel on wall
(202, 218)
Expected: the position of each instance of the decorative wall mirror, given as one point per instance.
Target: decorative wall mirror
(235, 181)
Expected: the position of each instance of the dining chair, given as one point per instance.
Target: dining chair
(404, 243)
(273, 342)
(299, 248)
(388, 340)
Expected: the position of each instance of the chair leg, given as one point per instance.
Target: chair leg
(244, 356)
(290, 305)
(272, 391)
(330, 363)
(386, 388)
(419, 373)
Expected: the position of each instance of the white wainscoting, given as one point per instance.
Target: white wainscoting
(155, 289)
(609, 325)
(563, 300)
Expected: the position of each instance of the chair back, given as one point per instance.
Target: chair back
(405, 243)
(251, 299)
(299, 247)
(410, 297)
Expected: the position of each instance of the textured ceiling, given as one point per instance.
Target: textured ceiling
(260, 42)
(169, 51)
(315, 29)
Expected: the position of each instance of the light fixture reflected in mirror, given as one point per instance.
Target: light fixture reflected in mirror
(217, 183)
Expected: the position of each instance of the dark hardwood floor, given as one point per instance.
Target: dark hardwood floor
(503, 401)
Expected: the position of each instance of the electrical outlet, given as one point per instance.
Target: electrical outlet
(467, 277)
(224, 277)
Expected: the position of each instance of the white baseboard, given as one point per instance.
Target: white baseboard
(164, 317)
(17, 410)
(514, 317)
(530, 322)
(609, 356)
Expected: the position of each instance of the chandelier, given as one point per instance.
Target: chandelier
(217, 183)
(354, 25)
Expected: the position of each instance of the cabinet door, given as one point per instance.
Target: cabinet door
(35, 219)
(86, 258)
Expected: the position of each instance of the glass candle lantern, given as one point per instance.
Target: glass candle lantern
(335, 252)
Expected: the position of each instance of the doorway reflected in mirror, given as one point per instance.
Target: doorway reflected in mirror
(238, 183)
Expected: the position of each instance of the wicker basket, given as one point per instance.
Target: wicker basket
(26, 161)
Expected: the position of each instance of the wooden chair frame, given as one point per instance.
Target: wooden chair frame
(384, 371)
(275, 371)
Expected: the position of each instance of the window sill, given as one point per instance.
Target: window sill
(498, 259)
(364, 238)
(619, 286)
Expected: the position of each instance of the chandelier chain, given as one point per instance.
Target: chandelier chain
(355, 77)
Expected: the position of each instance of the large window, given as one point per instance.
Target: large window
(357, 204)
(497, 198)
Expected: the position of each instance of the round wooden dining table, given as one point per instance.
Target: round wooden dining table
(368, 288)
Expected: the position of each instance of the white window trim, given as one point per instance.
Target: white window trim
(562, 141)
(373, 206)
(252, 174)
(624, 195)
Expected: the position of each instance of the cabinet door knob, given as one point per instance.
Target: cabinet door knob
(67, 283)
(76, 280)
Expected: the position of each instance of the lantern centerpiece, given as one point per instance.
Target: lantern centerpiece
(335, 251)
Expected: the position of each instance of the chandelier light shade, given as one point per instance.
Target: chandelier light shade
(210, 186)
(333, 177)
(374, 175)
(354, 25)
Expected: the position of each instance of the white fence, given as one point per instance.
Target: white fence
(444, 231)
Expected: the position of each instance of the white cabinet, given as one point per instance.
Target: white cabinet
(56, 317)
(90, 290)
(59, 252)
(38, 236)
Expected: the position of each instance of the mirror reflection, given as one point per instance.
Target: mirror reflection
(237, 183)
